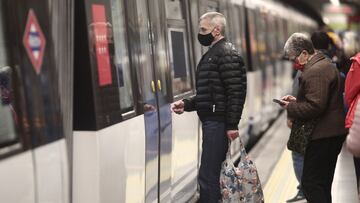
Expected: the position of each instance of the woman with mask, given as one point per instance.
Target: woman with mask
(318, 98)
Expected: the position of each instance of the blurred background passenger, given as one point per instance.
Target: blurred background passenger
(322, 43)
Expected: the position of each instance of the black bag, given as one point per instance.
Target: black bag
(300, 135)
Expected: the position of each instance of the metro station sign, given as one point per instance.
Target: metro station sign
(34, 41)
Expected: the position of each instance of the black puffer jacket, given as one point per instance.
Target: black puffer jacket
(220, 86)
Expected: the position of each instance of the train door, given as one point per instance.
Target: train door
(158, 121)
(171, 140)
(185, 133)
(34, 164)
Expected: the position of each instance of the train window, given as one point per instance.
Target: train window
(7, 111)
(178, 49)
(213, 6)
(253, 40)
(180, 70)
(8, 116)
(262, 36)
(174, 9)
(238, 35)
(243, 33)
(145, 76)
(285, 29)
(121, 57)
(272, 37)
(280, 36)
(3, 52)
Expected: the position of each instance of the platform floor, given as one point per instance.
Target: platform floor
(274, 164)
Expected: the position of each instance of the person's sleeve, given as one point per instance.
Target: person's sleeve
(352, 83)
(233, 76)
(189, 104)
(316, 97)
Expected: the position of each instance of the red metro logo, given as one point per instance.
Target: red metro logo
(34, 41)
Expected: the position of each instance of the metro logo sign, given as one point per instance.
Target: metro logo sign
(34, 41)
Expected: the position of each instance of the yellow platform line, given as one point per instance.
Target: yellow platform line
(282, 182)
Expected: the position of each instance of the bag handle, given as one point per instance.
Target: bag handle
(228, 156)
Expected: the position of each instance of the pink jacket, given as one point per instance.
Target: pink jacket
(352, 89)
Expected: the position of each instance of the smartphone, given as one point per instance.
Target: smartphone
(278, 101)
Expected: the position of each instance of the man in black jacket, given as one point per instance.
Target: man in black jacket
(219, 101)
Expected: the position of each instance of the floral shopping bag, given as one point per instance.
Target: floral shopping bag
(240, 184)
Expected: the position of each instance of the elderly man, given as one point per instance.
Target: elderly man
(219, 101)
(318, 97)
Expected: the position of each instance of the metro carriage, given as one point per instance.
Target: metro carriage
(86, 88)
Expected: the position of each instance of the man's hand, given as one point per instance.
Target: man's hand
(289, 98)
(285, 100)
(232, 134)
(289, 123)
(178, 107)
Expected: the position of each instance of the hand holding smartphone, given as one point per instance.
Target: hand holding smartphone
(278, 101)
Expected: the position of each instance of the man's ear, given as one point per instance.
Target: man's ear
(217, 30)
(306, 53)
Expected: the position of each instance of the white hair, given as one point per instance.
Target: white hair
(297, 43)
(215, 19)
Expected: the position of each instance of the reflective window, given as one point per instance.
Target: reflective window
(178, 52)
(253, 41)
(159, 45)
(213, 6)
(121, 58)
(109, 48)
(146, 71)
(262, 35)
(8, 116)
(174, 9)
(180, 70)
(272, 37)
(280, 36)
(3, 52)
(238, 32)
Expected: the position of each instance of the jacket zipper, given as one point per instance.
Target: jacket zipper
(212, 96)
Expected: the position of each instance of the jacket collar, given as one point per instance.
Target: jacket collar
(217, 43)
(326, 53)
(316, 58)
(356, 58)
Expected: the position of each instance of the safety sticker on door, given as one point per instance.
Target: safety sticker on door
(34, 41)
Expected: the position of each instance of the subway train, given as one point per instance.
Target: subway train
(86, 88)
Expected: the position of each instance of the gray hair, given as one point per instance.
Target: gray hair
(297, 43)
(215, 19)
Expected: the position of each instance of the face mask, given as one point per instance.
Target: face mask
(298, 66)
(206, 40)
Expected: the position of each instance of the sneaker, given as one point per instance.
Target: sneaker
(299, 197)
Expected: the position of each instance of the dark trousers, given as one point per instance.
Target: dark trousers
(214, 148)
(319, 167)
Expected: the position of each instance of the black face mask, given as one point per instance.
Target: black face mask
(205, 40)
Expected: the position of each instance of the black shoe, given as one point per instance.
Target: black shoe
(299, 197)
